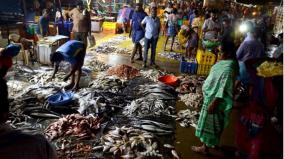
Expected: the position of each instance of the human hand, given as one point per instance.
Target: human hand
(211, 109)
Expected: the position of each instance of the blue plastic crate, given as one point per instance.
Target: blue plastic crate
(188, 67)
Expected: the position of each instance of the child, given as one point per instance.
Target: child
(192, 43)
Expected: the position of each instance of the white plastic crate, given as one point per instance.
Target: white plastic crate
(44, 51)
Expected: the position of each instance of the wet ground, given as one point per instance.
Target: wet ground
(185, 137)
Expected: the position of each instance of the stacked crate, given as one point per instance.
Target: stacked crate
(205, 61)
(188, 66)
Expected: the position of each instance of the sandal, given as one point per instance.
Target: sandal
(200, 150)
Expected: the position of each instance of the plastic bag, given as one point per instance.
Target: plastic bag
(91, 41)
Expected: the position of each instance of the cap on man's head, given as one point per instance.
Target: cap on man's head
(153, 5)
(79, 3)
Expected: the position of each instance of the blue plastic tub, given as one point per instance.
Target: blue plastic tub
(60, 99)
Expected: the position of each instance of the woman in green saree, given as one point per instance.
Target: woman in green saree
(218, 99)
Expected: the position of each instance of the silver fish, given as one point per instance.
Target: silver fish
(128, 156)
(97, 148)
(175, 154)
(169, 146)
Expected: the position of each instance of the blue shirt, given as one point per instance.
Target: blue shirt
(71, 50)
(137, 18)
(11, 50)
(249, 49)
(152, 27)
(43, 25)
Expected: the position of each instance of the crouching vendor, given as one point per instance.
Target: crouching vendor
(73, 52)
(6, 58)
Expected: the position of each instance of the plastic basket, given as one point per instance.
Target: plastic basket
(188, 67)
(109, 25)
(205, 58)
(203, 70)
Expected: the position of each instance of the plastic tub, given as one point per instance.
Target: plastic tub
(169, 80)
(60, 99)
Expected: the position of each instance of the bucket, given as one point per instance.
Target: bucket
(85, 78)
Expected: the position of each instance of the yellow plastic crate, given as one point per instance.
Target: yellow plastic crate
(205, 58)
(203, 70)
(109, 25)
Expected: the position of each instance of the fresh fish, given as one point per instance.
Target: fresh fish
(175, 154)
(106, 148)
(128, 156)
(43, 115)
(169, 146)
(161, 125)
(97, 148)
(154, 129)
(171, 55)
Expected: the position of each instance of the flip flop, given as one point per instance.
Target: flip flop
(197, 150)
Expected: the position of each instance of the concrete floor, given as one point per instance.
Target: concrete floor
(185, 137)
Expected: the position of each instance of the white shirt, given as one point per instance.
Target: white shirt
(152, 27)
(209, 24)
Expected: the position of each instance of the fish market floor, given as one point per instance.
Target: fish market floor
(185, 137)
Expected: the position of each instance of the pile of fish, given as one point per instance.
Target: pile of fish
(74, 125)
(97, 65)
(123, 71)
(41, 92)
(72, 149)
(190, 90)
(44, 78)
(93, 101)
(193, 100)
(110, 46)
(187, 117)
(158, 91)
(190, 84)
(171, 55)
(110, 84)
(152, 74)
(16, 86)
(155, 127)
(128, 142)
(147, 107)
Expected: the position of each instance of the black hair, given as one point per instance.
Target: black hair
(4, 102)
(56, 57)
(196, 12)
(228, 48)
(79, 3)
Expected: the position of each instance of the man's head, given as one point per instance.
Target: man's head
(138, 7)
(153, 9)
(80, 5)
(4, 102)
(45, 13)
(226, 23)
(213, 15)
(196, 12)
(228, 49)
(56, 57)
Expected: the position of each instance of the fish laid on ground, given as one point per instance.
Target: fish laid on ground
(130, 143)
(187, 117)
(73, 125)
(147, 107)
